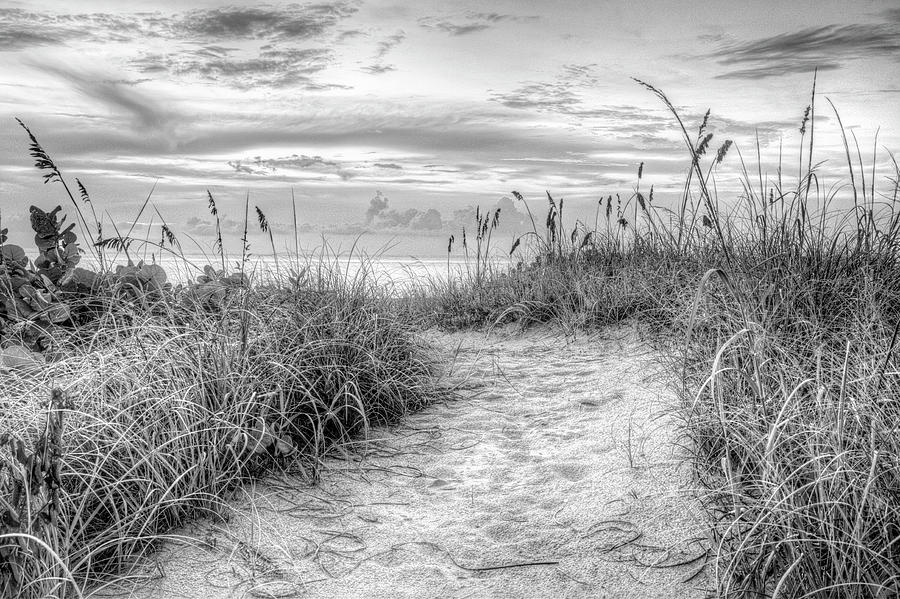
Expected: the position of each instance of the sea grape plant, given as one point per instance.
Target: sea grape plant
(30, 304)
(39, 298)
(211, 290)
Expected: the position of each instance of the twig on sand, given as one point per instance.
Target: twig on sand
(449, 555)
(504, 566)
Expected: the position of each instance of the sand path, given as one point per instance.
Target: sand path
(555, 474)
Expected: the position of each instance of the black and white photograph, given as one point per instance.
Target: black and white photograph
(419, 299)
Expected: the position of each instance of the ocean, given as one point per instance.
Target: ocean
(395, 271)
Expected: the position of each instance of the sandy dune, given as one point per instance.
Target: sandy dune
(555, 474)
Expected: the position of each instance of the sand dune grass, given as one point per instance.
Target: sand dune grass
(164, 415)
(780, 312)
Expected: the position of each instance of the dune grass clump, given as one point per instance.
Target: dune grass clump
(560, 275)
(166, 415)
(779, 312)
(164, 399)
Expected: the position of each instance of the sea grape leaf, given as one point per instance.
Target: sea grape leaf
(68, 235)
(16, 309)
(66, 278)
(44, 243)
(72, 255)
(82, 276)
(17, 356)
(44, 223)
(57, 312)
(153, 273)
(35, 298)
(14, 254)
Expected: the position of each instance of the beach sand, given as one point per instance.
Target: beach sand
(554, 472)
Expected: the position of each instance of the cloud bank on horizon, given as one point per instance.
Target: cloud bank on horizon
(437, 105)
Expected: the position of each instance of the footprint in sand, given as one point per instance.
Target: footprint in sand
(516, 497)
(570, 472)
(443, 485)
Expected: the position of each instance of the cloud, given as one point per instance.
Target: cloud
(470, 22)
(377, 205)
(560, 95)
(378, 69)
(551, 96)
(273, 164)
(381, 50)
(230, 228)
(827, 48)
(145, 112)
(348, 34)
(764, 72)
(202, 227)
(20, 30)
(24, 30)
(388, 44)
(292, 22)
(261, 166)
(379, 216)
(223, 56)
(568, 95)
(270, 68)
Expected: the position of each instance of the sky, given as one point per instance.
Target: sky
(397, 118)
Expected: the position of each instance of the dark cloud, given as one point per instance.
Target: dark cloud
(827, 48)
(389, 165)
(470, 22)
(275, 64)
(291, 22)
(776, 70)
